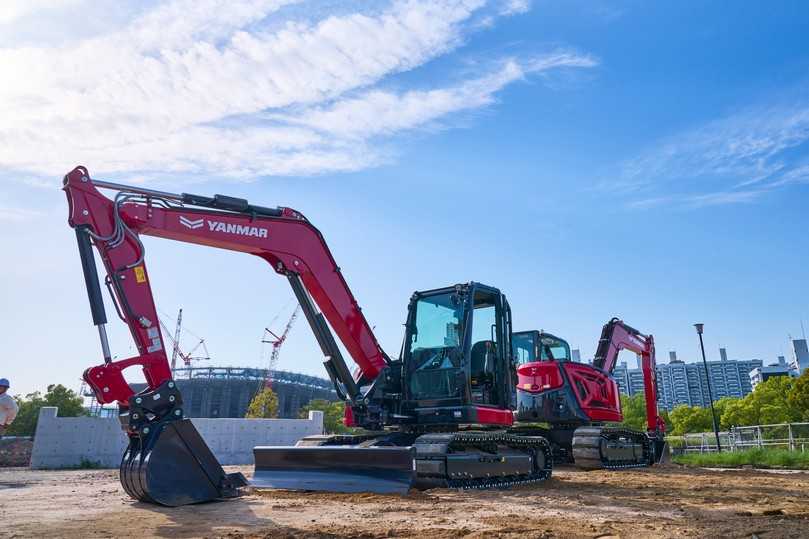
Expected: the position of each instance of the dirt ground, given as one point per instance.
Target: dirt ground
(667, 501)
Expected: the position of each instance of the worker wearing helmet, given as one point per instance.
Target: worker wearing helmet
(8, 406)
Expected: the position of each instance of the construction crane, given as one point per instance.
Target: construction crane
(175, 341)
(277, 341)
(176, 348)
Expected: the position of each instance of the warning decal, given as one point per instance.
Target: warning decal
(140, 274)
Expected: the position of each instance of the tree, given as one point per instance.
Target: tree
(721, 406)
(769, 403)
(798, 396)
(264, 405)
(634, 411)
(69, 404)
(740, 412)
(333, 414)
(685, 419)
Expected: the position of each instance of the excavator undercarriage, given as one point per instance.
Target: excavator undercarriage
(464, 459)
(612, 448)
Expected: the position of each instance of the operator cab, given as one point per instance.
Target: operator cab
(533, 346)
(456, 361)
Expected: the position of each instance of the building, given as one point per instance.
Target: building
(800, 356)
(760, 374)
(227, 391)
(687, 383)
(575, 354)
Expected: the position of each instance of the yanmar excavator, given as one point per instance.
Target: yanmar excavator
(577, 400)
(439, 415)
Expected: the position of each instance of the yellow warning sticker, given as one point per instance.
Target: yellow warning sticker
(140, 274)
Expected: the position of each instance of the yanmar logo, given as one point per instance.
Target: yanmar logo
(227, 228)
(193, 224)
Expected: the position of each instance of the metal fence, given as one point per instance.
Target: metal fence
(789, 436)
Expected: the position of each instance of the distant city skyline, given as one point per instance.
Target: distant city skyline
(687, 383)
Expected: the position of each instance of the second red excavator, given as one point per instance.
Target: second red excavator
(578, 401)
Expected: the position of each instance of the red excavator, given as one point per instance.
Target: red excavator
(577, 400)
(439, 415)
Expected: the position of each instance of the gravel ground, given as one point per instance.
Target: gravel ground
(667, 501)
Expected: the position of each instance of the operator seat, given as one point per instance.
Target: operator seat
(482, 358)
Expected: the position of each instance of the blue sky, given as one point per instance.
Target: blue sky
(591, 159)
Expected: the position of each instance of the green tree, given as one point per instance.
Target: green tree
(686, 419)
(69, 404)
(333, 414)
(721, 406)
(798, 396)
(264, 405)
(769, 403)
(634, 411)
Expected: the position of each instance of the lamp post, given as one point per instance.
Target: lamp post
(710, 393)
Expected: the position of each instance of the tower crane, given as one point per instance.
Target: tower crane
(277, 341)
(175, 341)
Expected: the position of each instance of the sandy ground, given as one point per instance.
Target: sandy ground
(667, 501)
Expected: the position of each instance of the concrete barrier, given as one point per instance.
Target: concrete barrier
(66, 442)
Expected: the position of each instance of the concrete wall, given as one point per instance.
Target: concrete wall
(62, 442)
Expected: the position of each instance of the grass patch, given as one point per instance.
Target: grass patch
(758, 458)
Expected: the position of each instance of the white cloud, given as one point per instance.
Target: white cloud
(515, 7)
(13, 10)
(738, 158)
(239, 88)
(380, 112)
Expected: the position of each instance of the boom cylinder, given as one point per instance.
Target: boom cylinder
(88, 266)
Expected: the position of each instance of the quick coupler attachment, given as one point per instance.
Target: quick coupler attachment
(167, 461)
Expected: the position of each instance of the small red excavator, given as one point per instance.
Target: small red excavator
(440, 415)
(577, 400)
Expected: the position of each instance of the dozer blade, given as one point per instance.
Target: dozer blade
(173, 466)
(384, 470)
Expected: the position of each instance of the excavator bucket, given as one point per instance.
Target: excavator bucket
(384, 470)
(172, 465)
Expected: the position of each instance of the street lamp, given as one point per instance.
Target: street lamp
(710, 393)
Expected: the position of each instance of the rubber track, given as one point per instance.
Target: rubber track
(460, 441)
(606, 433)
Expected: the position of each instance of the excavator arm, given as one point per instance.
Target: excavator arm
(281, 236)
(617, 336)
(167, 461)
